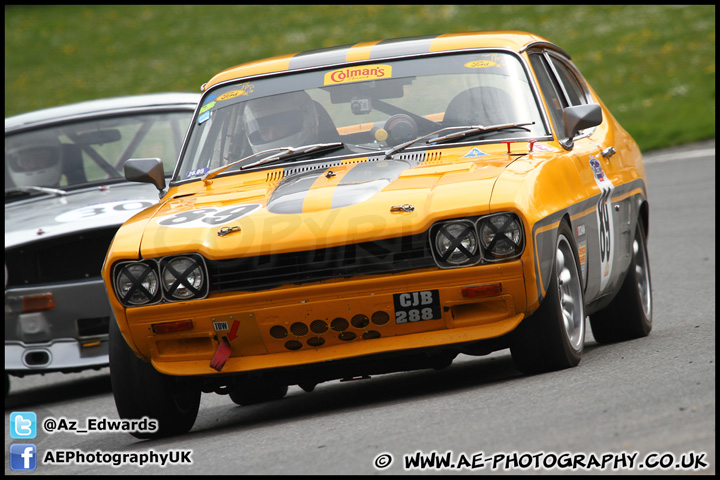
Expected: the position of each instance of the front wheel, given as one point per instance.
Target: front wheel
(141, 391)
(553, 338)
(629, 315)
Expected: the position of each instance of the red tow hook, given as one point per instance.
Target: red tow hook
(221, 355)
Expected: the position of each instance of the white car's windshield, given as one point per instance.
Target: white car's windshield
(369, 108)
(78, 153)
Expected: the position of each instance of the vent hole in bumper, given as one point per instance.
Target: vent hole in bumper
(37, 358)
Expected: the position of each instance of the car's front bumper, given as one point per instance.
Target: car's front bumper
(63, 355)
(69, 334)
(307, 315)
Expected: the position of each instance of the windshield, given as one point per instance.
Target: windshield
(369, 108)
(73, 154)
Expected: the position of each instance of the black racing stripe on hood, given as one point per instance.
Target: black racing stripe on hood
(367, 179)
(290, 194)
(364, 180)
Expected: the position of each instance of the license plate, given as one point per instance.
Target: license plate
(417, 306)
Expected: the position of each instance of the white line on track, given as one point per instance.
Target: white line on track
(679, 155)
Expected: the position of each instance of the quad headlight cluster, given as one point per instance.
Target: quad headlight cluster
(467, 242)
(454, 243)
(173, 279)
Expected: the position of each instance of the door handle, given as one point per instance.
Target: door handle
(608, 152)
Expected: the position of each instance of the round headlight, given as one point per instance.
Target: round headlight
(456, 243)
(136, 284)
(182, 277)
(501, 235)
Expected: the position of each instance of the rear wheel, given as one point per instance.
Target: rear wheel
(553, 338)
(141, 391)
(629, 315)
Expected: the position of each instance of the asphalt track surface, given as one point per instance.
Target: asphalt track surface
(641, 407)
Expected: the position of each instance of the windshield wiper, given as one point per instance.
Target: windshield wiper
(476, 129)
(292, 152)
(283, 154)
(469, 130)
(403, 146)
(52, 191)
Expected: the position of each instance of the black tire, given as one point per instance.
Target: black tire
(252, 393)
(629, 315)
(141, 391)
(553, 338)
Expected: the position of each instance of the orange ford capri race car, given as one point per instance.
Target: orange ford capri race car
(375, 208)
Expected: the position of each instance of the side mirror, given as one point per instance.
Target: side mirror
(580, 117)
(146, 170)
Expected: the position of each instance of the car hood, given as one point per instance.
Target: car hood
(320, 206)
(47, 216)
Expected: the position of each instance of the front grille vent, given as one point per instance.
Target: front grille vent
(369, 258)
(72, 257)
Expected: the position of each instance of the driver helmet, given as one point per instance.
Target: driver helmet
(287, 120)
(33, 159)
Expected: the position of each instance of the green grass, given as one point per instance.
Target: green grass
(653, 66)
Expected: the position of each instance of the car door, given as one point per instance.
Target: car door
(596, 222)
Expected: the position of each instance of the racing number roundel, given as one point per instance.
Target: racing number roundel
(207, 217)
(605, 224)
(110, 211)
